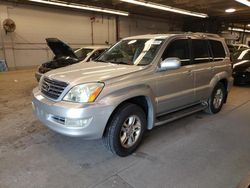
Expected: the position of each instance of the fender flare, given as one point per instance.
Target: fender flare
(217, 78)
(124, 94)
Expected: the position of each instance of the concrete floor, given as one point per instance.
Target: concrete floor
(198, 151)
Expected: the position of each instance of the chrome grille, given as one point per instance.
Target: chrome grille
(52, 88)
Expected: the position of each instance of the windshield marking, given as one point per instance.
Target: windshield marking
(147, 46)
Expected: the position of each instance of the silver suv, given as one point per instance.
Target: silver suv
(139, 83)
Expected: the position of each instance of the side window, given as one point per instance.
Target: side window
(178, 48)
(200, 51)
(217, 50)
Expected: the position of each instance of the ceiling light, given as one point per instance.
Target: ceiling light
(82, 7)
(245, 2)
(230, 10)
(166, 8)
(239, 30)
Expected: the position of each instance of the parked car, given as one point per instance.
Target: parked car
(137, 84)
(65, 55)
(235, 47)
(241, 66)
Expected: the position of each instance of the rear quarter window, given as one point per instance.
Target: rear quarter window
(217, 50)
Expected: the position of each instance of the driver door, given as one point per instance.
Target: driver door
(175, 88)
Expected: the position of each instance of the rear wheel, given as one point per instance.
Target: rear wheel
(217, 99)
(125, 129)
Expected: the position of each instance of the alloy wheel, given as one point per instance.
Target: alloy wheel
(130, 131)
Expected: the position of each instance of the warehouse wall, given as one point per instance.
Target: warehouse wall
(26, 46)
(138, 25)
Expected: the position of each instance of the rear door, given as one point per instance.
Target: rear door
(175, 88)
(220, 62)
(202, 61)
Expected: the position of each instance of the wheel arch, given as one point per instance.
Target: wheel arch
(224, 81)
(143, 101)
(222, 78)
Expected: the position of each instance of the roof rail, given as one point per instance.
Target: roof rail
(207, 34)
(202, 34)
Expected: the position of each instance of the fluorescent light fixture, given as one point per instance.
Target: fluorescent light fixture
(82, 7)
(239, 30)
(165, 8)
(230, 10)
(245, 2)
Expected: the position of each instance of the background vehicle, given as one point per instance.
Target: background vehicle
(137, 84)
(241, 66)
(235, 47)
(65, 55)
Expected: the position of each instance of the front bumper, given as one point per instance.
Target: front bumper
(55, 115)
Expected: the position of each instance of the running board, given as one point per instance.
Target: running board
(179, 114)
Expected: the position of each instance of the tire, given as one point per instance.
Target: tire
(216, 99)
(127, 124)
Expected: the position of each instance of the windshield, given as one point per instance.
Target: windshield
(82, 53)
(132, 52)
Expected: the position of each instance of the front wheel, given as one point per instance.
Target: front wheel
(125, 129)
(216, 99)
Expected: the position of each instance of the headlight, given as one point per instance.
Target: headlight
(84, 92)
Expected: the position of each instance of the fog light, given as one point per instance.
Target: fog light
(77, 123)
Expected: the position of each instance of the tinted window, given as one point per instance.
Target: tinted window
(200, 51)
(217, 50)
(96, 54)
(179, 49)
(82, 53)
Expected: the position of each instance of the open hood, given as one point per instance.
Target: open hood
(59, 48)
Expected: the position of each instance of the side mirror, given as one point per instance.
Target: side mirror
(170, 64)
